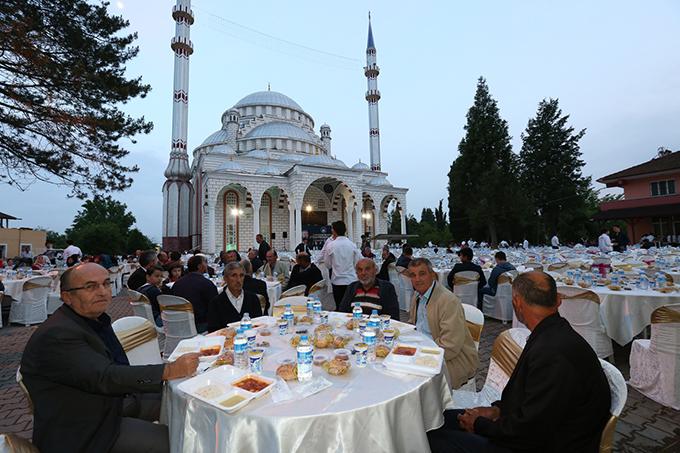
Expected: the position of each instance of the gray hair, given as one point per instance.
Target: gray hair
(247, 266)
(542, 292)
(232, 266)
(420, 262)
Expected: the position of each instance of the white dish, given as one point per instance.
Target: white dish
(195, 344)
(259, 377)
(421, 364)
(213, 387)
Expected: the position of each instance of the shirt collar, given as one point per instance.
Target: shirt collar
(428, 293)
(231, 296)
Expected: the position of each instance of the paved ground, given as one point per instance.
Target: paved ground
(644, 426)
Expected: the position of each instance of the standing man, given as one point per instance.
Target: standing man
(147, 260)
(555, 241)
(438, 314)
(604, 242)
(263, 248)
(197, 289)
(85, 394)
(341, 256)
(620, 239)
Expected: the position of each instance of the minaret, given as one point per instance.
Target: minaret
(372, 96)
(326, 138)
(177, 190)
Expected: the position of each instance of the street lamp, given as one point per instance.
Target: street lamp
(308, 208)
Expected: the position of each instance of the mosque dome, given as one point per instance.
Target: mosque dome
(268, 170)
(360, 166)
(215, 138)
(230, 166)
(291, 157)
(323, 160)
(280, 129)
(258, 154)
(223, 148)
(379, 181)
(268, 98)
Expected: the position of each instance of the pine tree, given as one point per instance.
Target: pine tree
(440, 217)
(62, 82)
(552, 177)
(427, 216)
(483, 185)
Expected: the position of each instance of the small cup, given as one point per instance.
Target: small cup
(362, 326)
(324, 317)
(388, 336)
(342, 354)
(385, 321)
(361, 355)
(255, 360)
(251, 335)
(283, 326)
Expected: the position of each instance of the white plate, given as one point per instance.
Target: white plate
(269, 381)
(195, 344)
(408, 364)
(214, 387)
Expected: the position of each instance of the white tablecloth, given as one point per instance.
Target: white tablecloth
(13, 288)
(368, 410)
(274, 291)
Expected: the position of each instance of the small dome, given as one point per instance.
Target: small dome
(379, 181)
(360, 166)
(268, 98)
(258, 154)
(268, 170)
(223, 148)
(231, 166)
(279, 129)
(323, 161)
(215, 138)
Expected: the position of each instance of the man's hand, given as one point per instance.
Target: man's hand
(468, 418)
(492, 413)
(184, 366)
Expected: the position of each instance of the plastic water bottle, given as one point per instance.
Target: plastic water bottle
(374, 321)
(240, 350)
(357, 314)
(289, 317)
(304, 359)
(369, 337)
(660, 280)
(310, 307)
(644, 283)
(246, 323)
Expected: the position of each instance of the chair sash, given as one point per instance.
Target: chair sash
(587, 295)
(506, 352)
(30, 285)
(475, 330)
(607, 437)
(178, 307)
(504, 278)
(132, 338)
(318, 286)
(665, 315)
(17, 444)
(460, 280)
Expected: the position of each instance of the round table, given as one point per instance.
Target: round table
(370, 409)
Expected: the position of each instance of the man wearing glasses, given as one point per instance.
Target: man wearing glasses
(85, 394)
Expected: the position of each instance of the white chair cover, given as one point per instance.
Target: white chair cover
(298, 290)
(498, 375)
(500, 306)
(474, 316)
(619, 393)
(146, 353)
(655, 363)
(178, 321)
(116, 277)
(467, 292)
(32, 308)
(404, 289)
(141, 306)
(581, 308)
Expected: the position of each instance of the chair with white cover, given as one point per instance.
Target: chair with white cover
(22, 386)
(32, 306)
(179, 323)
(298, 290)
(581, 307)
(655, 363)
(474, 321)
(619, 393)
(317, 288)
(11, 443)
(141, 306)
(263, 303)
(465, 286)
(116, 277)
(139, 339)
(500, 306)
(54, 297)
(404, 288)
(506, 351)
(297, 303)
(393, 275)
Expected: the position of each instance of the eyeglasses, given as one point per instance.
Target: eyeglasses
(91, 287)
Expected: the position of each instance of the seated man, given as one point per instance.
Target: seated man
(304, 273)
(233, 302)
(388, 258)
(152, 289)
(85, 394)
(276, 266)
(147, 259)
(196, 289)
(466, 264)
(557, 398)
(371, 289)
(438, 313)
(255, 260)
(502, 266)
(405, 257)
(255, 285)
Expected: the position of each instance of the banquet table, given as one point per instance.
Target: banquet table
(369, 409)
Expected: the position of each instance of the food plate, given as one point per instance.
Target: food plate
(414, 359)
(255, 384)
(199, 344)
(214, 387)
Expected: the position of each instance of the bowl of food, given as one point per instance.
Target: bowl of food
(323, 340)
(404, 353)
(320, 359)
(381, 351)
(342, 354)
(253, 383)
(287, 371)
(336, 367)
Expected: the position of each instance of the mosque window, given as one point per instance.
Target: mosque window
(320, 205)
(231, 219)
(266, 217)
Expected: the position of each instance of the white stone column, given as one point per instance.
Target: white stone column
(358, 230)
(291, 228)
(256, 221)
(376, 221)
(298, 224)
(403, 221)
(211, 227)
(348, 223)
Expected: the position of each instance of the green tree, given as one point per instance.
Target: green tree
(427, 217)
(62, 83)
(440, 217)
(97, 238)
(394, 220)
(136, 240)
(560, 196)
(483, 183)
(58, 240)
(104, 209)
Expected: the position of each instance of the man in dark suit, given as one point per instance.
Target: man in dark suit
(303, 247)
(196, 289)
(370, 289)
(147, 259)
(558, 397)
(466, 264)
(304, 273)
(255, 285)
(86, 396)
(388, 258)
(233, 302)
(263, 248)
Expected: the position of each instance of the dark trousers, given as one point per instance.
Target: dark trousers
(338, 294)
(450, 438)
(138, 433)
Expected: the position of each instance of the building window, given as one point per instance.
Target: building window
(231, 215)
(320, 205)
(266, 217)
(661, 188)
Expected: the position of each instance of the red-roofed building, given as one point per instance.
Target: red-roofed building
(651, 198)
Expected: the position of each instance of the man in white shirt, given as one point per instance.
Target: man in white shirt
(525, 245)
(604, 242)
(71, 250)
(232, 303)
(555, 241)
(341, 256)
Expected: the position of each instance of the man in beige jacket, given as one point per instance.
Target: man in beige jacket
(438, 313)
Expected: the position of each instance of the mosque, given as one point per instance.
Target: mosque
(267, 171)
